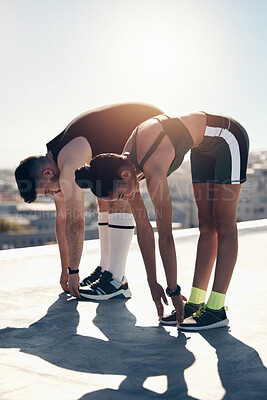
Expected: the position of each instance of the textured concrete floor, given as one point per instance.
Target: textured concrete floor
(54, 347)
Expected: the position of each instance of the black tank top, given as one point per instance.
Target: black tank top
(107, 129)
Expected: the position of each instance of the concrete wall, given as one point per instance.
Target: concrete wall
(15, 240)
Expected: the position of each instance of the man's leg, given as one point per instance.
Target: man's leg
(116, 229)
(116, 242)
(121, 230)
(103, 212)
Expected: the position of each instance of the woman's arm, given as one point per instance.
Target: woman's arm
(159, 193)
(146, 241)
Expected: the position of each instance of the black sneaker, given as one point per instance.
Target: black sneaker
(189, 309)
(204, 319)
(106, 288)
(92, 277)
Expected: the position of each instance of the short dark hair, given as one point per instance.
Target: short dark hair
(102, 175)
(26, 176)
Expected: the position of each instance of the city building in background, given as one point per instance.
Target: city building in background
(23, 225)
(253, 201)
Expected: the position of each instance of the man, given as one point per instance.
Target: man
(94, 132)
(218, 161)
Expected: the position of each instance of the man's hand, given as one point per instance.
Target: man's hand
(177, 301)
(64, 277)
(158, 293)
(74, 283)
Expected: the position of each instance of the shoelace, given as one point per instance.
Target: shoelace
(200, 311)
(92, 277)
(88, 279)
(102, 278)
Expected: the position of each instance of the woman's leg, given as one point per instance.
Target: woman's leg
(217, 206)
(225, 201)
(207, 242)
(226, 198)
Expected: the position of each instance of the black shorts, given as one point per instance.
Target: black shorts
(222, 155)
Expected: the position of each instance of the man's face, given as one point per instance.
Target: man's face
(48, 186)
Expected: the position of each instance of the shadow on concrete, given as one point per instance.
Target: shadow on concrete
(137, 352)
(242, 373)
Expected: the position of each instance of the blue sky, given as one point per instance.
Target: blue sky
(60, 58)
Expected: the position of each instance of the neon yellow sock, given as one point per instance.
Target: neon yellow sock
(197, 295)
(216, 300)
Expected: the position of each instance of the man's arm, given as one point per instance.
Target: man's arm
(61, 240)
(74, 227)
(159, 193)
(146, 241)
(75, 154)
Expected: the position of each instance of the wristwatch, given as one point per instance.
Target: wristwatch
(175, 292)
(73, 271)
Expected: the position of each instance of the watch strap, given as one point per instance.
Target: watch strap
(73, 271)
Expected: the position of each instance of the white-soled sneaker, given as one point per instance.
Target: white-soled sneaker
(189, 310)
(204, 319)
(106, 288)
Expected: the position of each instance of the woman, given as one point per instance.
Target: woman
(155, 149)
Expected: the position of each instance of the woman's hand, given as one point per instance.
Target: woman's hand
(177, 301)
(158, 295)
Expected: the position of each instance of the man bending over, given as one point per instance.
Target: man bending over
(94, 132)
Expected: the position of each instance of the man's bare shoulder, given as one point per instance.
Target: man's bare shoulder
(75, 154)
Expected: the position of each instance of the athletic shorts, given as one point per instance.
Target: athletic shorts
(222, 155)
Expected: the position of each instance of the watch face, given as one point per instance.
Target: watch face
(175, 292)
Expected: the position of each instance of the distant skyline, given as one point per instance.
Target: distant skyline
(60, 58)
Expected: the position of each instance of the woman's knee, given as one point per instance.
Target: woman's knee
(225, 226)
(207, 226)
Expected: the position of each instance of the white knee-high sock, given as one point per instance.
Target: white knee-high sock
(121, 230)
(104, 240)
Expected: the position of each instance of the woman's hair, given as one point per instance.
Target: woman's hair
(102, 175)
(26, 176)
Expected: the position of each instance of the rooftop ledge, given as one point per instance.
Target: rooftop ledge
(55, 347)
(52, 249)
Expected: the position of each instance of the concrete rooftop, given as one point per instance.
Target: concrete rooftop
(53, 347)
